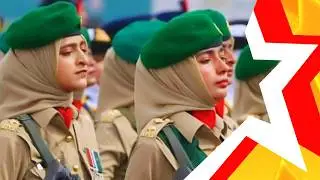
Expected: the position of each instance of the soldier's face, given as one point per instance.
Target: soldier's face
(228, 47)
(99, 66)
(92, 70)
(214, 69)
(72, 65)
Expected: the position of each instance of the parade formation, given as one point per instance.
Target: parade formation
(145, 103)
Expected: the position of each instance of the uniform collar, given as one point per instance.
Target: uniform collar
(44, 117)
(187, 124)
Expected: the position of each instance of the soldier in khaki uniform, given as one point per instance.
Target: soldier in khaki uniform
(86, 100)
(248, 99)
(180, 76)
(79, 99)
(100, 42)
(37, 78)
(116, 128)
(222, 107)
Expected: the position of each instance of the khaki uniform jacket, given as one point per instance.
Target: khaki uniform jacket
(116, 136)
(89, 113)
(21, 161)
(152, 160)
(84, 113)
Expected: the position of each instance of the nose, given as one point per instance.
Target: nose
(221, 66)
(231, 60)
(91, 62)
(83, 59)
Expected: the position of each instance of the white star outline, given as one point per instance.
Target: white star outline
(278, 136)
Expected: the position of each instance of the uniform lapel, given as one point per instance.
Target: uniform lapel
(80, 145)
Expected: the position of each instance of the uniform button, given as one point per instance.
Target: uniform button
(69, 138)
(75, 168)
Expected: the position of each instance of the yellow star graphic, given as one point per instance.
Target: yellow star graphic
(303, 16)
(263, 164)
(315, 86)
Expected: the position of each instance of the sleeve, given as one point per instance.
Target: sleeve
(111, 150)
(265, 117)
(14, 156)
(148, 162)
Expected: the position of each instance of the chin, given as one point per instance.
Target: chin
(91, 81)
(219, 95)
(82, 84)
(219, 98)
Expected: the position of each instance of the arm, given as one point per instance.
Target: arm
(148, 162)
(111, 150)
(14, 156)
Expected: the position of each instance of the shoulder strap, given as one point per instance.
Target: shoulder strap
(33, 130)
(183, 159)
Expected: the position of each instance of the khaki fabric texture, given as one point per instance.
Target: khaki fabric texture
(248, 100)
(117, 83)
(162, 97)
(115, 125)
(28, 82)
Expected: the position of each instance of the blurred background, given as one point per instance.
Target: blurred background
(112, 15)
(102, 12)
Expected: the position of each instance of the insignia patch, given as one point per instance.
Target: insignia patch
(150, 132)
(10, 124)
(110, 115)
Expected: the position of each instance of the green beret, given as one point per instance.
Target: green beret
(247, 68)
(44, 25)
(3, 45)
(85, 34)
(218, 18)
(129, 41)
(181, 38)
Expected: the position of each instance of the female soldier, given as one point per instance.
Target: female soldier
(116, 130)
(38, 125)
(100, 43)
(222, 107)
(248, 98)
(180, 77)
